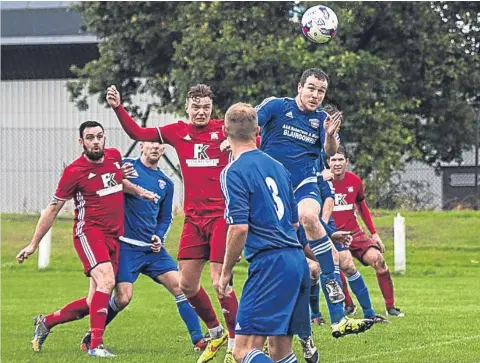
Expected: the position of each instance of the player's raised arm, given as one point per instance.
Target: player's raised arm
(364, 211)
(43, 226)
(128, 123)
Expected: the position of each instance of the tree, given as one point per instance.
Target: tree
(398, 70)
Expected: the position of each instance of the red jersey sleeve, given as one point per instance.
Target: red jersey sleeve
(360, 192)
(133, 129)
(169, 133)
(66, 185)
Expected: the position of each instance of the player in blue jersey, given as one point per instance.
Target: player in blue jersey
(261, 212)
(148, 217)
(293, 133)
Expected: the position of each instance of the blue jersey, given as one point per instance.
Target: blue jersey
(292, 137)
(258, 192)
(143, 219)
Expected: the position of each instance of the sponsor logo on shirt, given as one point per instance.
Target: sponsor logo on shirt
(200, 157)
(110, 185)
(341, 204)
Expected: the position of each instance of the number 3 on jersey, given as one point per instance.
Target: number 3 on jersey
(279, 207)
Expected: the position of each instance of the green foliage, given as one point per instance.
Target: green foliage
(406, 74)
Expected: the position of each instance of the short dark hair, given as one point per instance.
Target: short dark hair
(200, 90)
(241, 122)
(316, 72)
(342, 150)
(87, 124)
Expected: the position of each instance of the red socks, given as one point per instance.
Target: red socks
(386, 286)
(346, 292)
(203, 307)
(98, 317)
(229, 309)
(72, 311)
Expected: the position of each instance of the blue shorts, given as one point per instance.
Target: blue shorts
(275, 297)
(308, 190)
(134, 261)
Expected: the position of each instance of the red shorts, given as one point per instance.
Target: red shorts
(203, 238)
(94, 247)
(360, 244)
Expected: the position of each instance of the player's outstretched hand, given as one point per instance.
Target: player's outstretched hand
(113, 96)
(25, 252)
(342, 237)
(333, 122)
(225, 146)
(379, 242)
(127, 170)
(223, 288)
(156, 243)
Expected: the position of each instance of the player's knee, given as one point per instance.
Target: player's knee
(239, 353)
(187, 288)
(121, 301)
(349, 270)
(379, 264)
(310, 221)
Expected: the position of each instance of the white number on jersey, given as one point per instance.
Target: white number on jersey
(279, 207)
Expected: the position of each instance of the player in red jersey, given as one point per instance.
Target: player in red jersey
(94, 180)
(350, 196)
(204, 231)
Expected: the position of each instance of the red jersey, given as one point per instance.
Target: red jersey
(201, 161)
(97, 190)
(348, 192)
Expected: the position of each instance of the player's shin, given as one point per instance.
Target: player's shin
(98, 317)
(229, 309)
(315, 299)
(113, 310)
(386, 286)
(348, 297)
(189, 317)
(360, 290)
(203, 307)
(72, 311)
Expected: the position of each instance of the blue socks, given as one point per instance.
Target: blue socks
(190, 318)
(322, 249)
(257, 356)
(357, 284)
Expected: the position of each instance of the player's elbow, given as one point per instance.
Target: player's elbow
(238, 229)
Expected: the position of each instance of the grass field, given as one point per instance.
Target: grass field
(439, 294)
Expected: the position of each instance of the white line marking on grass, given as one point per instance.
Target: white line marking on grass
(418, 347)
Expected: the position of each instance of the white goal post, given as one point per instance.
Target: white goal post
(44, 248)
(399, 245)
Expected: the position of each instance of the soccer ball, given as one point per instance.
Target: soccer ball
(319, 24)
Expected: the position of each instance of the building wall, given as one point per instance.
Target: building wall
(39, 137)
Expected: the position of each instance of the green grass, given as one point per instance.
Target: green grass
(439, 294)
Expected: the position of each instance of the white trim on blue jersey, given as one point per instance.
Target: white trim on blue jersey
(223, 185)
(135, 242)
(265, 101)
(312, 179)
